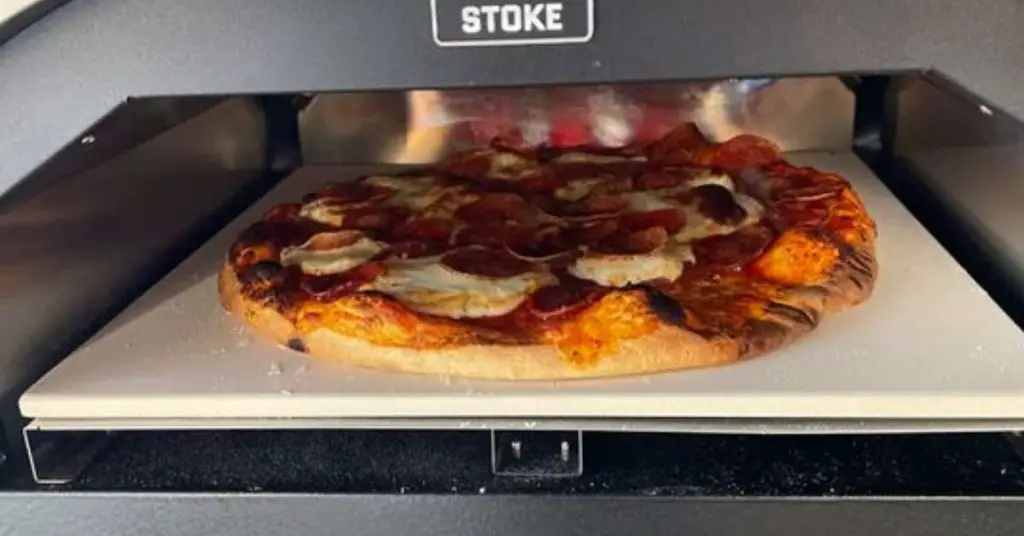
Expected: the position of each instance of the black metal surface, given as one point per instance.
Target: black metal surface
(875, 143)
(618, 464)
(366, 515)
(64, 72)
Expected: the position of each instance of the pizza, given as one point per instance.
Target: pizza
(513, 262)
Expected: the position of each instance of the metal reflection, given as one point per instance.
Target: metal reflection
(425, 125)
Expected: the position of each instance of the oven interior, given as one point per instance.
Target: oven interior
(131, 198)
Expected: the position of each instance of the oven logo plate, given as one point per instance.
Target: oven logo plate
(475, 23)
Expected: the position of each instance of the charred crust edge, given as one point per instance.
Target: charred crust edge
(796, 315)
(297, 344)
(666, 308)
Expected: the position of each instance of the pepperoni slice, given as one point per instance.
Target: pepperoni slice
(584, 170)
(425, 229)
(594, 232)
(660, 180)
(543, 181)
(594, 205)
(328, 288)
(681, 146)
(627, 242)
(374, 218)
(802, 213)
(285, 213)
(493, 206)
(474, 165)
(413, 249)
(348, 193)
(486, 262)
(733, 250)
(565, 299)
(541, 243)
(745, 151)
(613, 185)
(670, 219)
(491, 234)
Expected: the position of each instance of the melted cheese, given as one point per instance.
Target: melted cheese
(649, 200)
(700, 226)
(330, 261)
(707, 178)
(423, 194)
(587, 158)
(577, 189)
(619, 271)
(427, 286)
(509, 166)
(324, 212)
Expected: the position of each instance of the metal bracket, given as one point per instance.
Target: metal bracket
(58, 456)
(547, 454)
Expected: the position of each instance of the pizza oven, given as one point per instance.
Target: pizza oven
(138, 137)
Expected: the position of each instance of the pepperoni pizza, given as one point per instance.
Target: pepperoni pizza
(524, 263)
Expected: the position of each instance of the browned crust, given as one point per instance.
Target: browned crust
(667, 349)
(788, 316)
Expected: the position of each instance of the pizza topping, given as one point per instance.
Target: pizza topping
(426, 229)
(682, 146)
(541, 244)
(471, 283)
(473, 165)
(426, 196)
(490, 234)
(664, 263)
(718, 204)
(577, 189)
(745, 151)
(628, 242)
(486, 262)
(373, 218)
(733, 250)
(594, 158)
(350, 193)
(670, 219)
(593, 205)
(591, 232)
(660, 180)
(699, 225)
(331, 253)
(285, 213)
(412, 249)
(563, 300)
(495, 164)
(649, 201)
(358, 216)
(327, 288)
(494, 206)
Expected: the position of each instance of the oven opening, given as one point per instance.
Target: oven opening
(127, 373)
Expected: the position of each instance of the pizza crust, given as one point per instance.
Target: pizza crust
(669, 348)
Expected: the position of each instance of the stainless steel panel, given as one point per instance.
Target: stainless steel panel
(423, 126)
(70, 251)
(930, 115)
